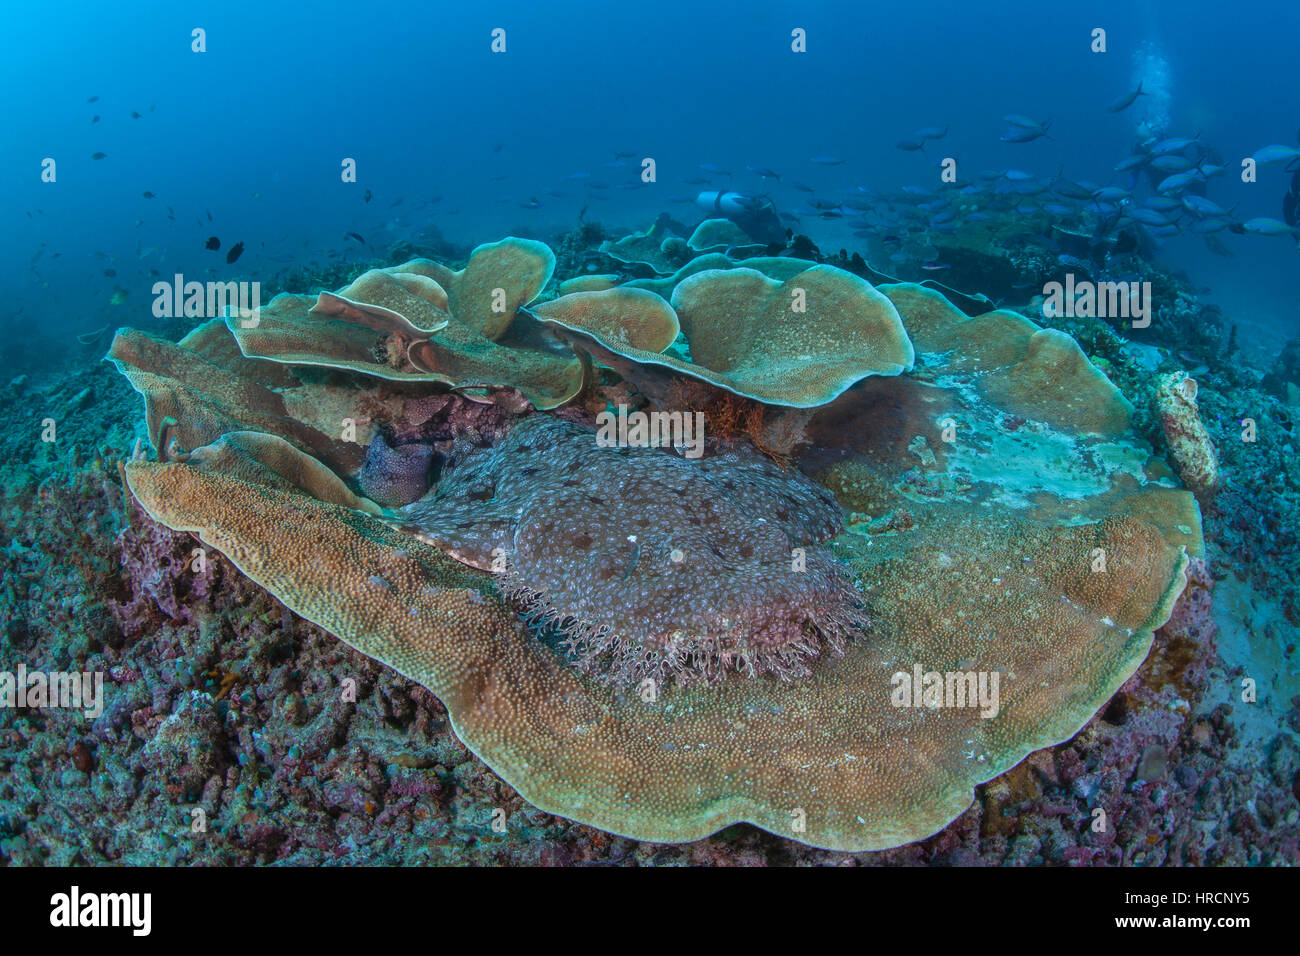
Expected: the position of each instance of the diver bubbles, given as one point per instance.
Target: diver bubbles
(1151, 70)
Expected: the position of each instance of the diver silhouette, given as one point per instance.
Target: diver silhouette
(1291, 202)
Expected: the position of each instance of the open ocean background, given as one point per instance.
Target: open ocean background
(449, 136)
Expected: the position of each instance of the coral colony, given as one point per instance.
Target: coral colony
(941, 546)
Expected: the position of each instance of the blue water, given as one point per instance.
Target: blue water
(449, 136)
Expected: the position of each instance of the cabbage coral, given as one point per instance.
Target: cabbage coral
(989, 512)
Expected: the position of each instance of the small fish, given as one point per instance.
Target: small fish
(94, 119)
(935, 266)
(357, 236)
(498, 147)
(1017, 175)
(368, 196)
(1202, 206)
(111, 273)
(1268, 227)
(824, 160)
(235, 252)
(910, 145)
(134, 115)
(1024, 122)
(931, 132)
(1173, 163)
(1127, 100)
(623, 155)
(1148, 217)
(533, 203)
(147, 195)
(93, 99)
(213, 243)
(1178, 181)
(1275, 154)
(764, 172)
(1164, 204)
(1130, 162)
(1022, 135)
(98, 155)
(1173, 145)
(209, 212)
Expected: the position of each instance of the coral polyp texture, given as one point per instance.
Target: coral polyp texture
(660, 644)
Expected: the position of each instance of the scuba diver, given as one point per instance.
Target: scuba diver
(1291, 202)
(756, 215)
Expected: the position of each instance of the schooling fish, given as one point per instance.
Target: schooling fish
(134, 115)
(368, 196)
(94, 119)
(213, 243)
(1173, 145)
(98, 155)
(147, 194)
(1275, 154)
(1024, 122)
(1022, 135)
(1268, 227)
(356, 236)
(764, 172)
(910, 145)
(93, 99)
(235, 252)
(1125, 101)
(1203, 207)
(1178, 181)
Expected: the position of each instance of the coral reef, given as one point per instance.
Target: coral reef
(308, 774)
(998, 484)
